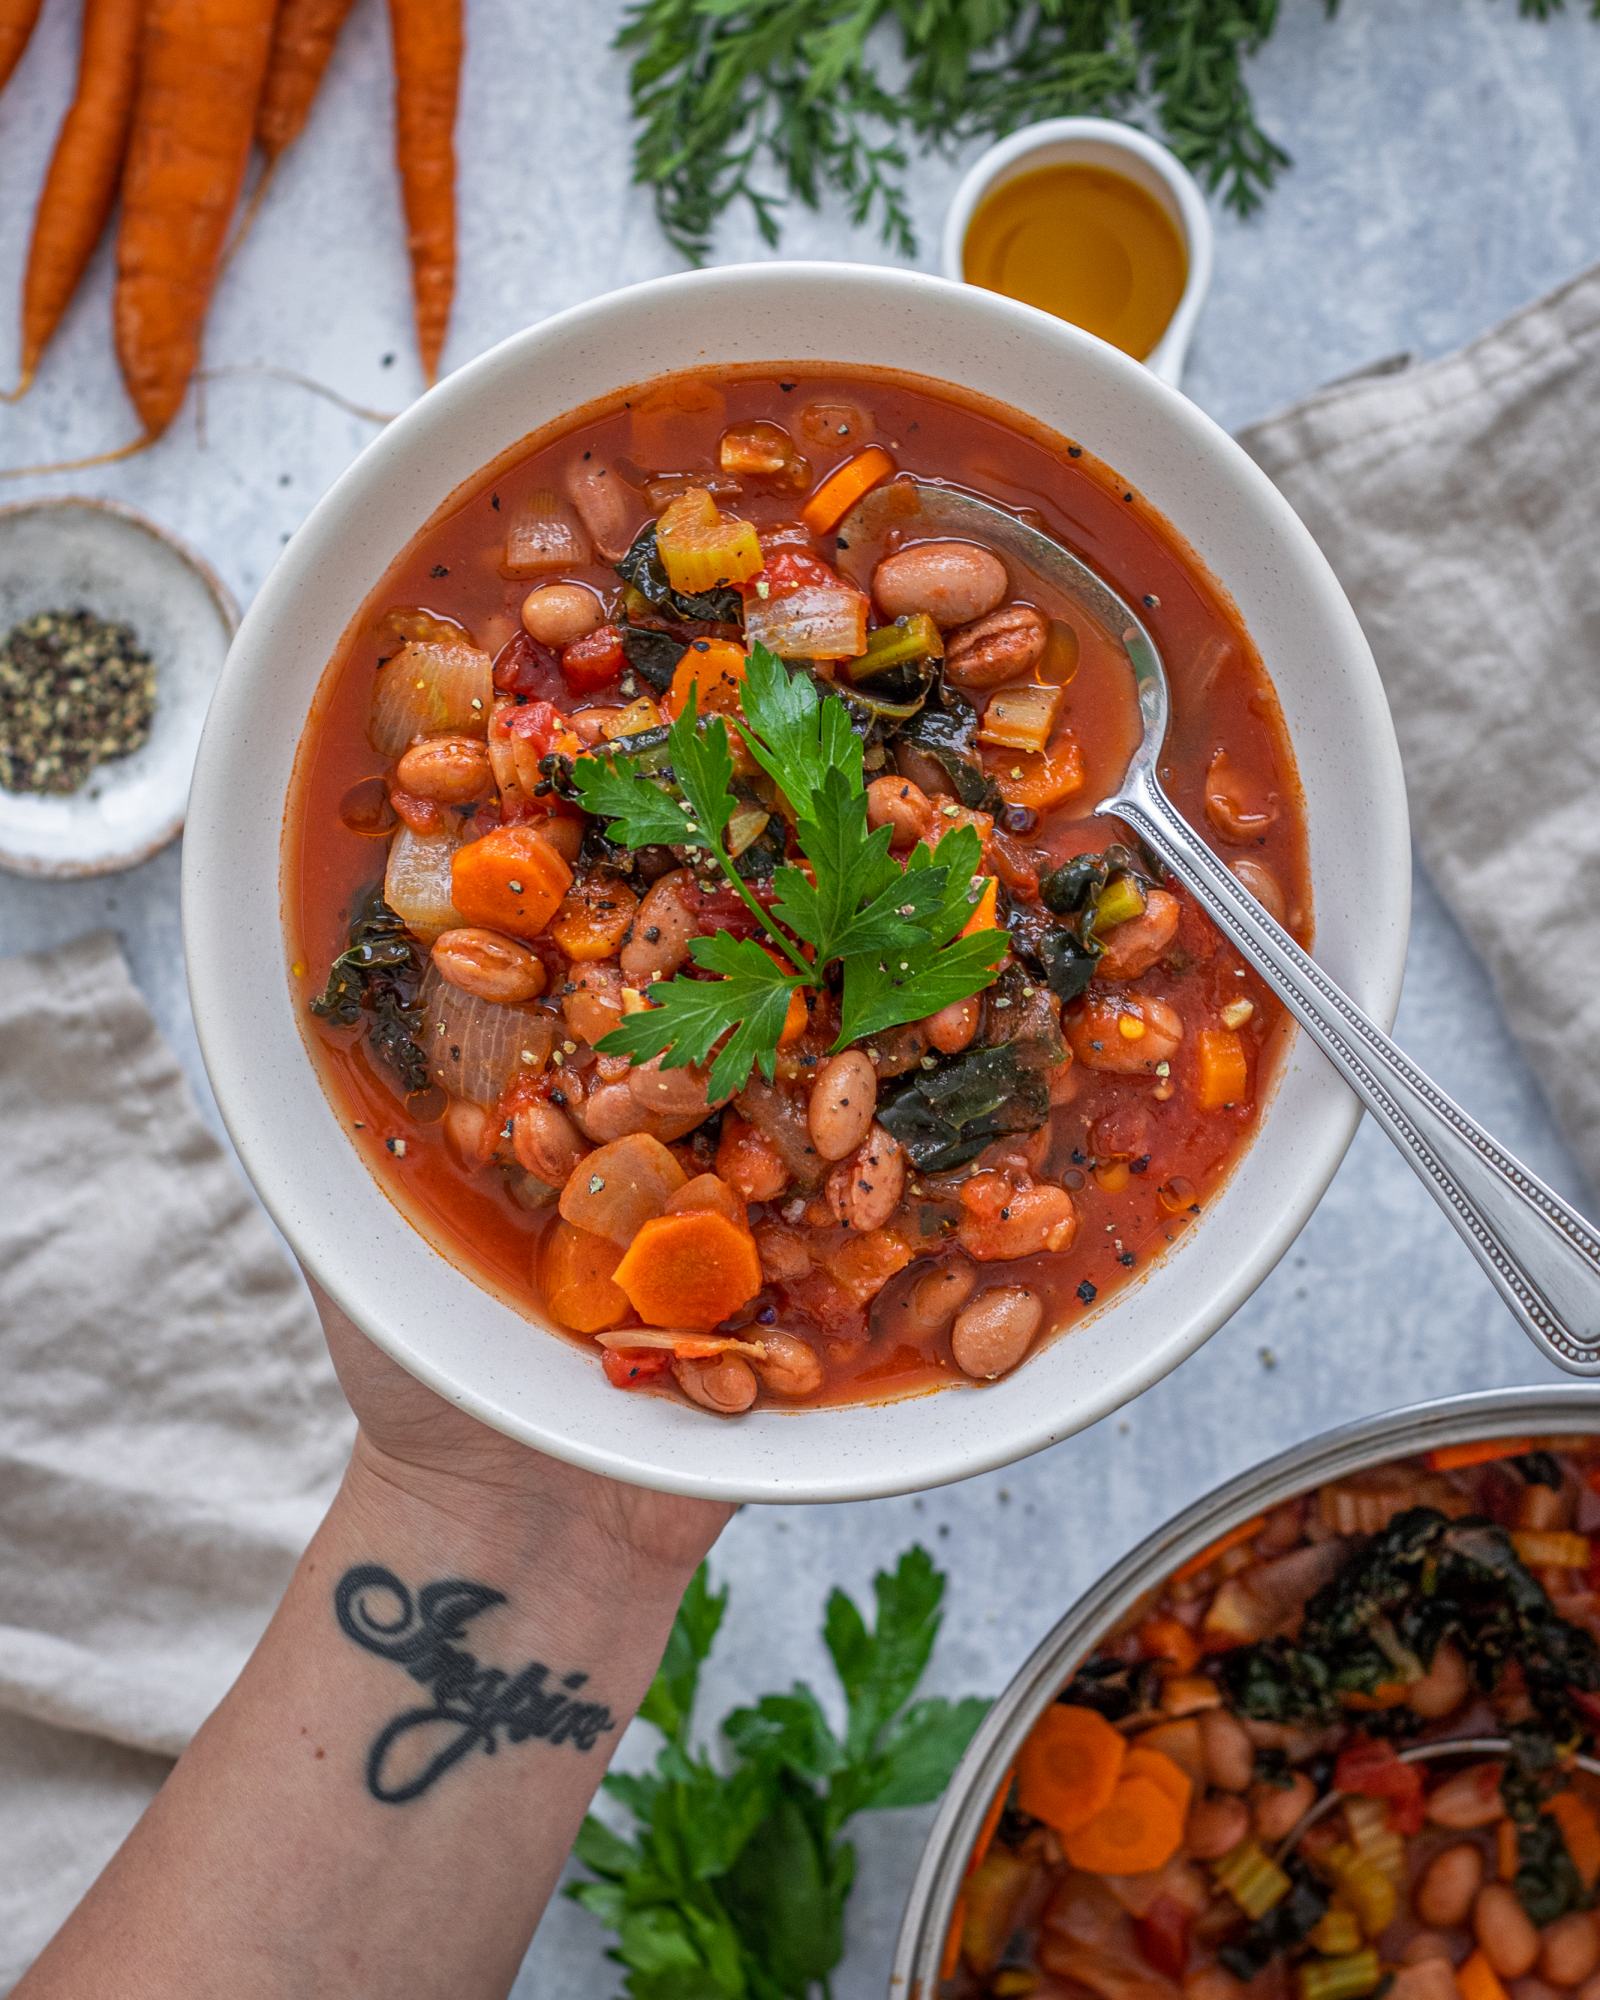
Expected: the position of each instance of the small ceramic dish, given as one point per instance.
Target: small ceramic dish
(1122, 149)
(66, 555)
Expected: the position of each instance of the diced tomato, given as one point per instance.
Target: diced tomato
(537, 722)
(522, 666)
(594, 661)
(789, 570)
(721, 908)
(632, 1367)
(421, 815)
(1375, 1771)
(1163, 1936)
(1588, 1705)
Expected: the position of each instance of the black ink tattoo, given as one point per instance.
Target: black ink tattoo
(471, 1703)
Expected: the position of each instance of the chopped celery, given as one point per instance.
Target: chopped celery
(907, 639)
(1252, 1878)
(1338, 1932)
(1365, 1884)
(1020, 718)
(1119, 902)
(1347, 1978)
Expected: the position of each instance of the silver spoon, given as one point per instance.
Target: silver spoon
(1541, 1255)
(1420, 1753)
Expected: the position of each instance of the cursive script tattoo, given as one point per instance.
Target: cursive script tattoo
(472, 1704)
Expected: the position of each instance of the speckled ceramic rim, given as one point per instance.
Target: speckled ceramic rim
(437, 1321)
(1419, 1427)
(116, 864)
(1099, 142)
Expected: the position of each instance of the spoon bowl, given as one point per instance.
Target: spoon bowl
(1541, 1255)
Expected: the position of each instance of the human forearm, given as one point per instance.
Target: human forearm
(385, 1798)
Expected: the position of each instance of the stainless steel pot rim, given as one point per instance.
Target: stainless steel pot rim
(1353, 1447)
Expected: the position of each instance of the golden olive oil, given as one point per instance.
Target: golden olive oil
(1084, 243)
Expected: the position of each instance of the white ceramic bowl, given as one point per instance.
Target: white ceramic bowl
(430, 1315)
(1124, 149)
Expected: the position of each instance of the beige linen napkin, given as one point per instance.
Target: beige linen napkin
(170, 1429)
(1458, 501)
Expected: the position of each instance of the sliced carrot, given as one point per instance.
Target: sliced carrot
(991, 1821)
(1478, 1980)
(1069, 1766)
(844, 486)
(593, 919)
(1038, 779)
(1457, 1457)
(1180, 1741)
(1163, 1772)
(1235, 1538)
(575, 1270)
(985, 912)
(1581, 1832)
(1551, 1548)
(302, 45)
(950, 1962)
(428, 38)
(715, 669)
(81, 183)
(511, 880)
(708, 1191)
(1189, 1694)
(1222, 1070)
(619, 1187)
(690, 1271)
(1138, 1831)
(16, 26)
(1169, 1639)
(201, 67)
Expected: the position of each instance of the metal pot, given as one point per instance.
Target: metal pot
(1354, 1447)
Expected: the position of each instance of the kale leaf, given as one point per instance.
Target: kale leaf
(946, 729)
(1284, 1925)
(643, 568)
(379, 974)
(652, 653)
(945, 1116)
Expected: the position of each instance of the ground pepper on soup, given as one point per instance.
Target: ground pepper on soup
(486, 962)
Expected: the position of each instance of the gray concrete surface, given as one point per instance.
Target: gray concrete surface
(1447, 169)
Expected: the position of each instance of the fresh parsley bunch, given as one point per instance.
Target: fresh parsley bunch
(734, 1882)
(893, 933)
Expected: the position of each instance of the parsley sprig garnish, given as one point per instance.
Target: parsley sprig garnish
(732, 1880)
(891, 934)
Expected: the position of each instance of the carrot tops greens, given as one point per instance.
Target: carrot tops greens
(756, 101)
(893, 933)
(734, 1881)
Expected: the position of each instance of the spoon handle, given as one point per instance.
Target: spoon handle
(1542, 1256)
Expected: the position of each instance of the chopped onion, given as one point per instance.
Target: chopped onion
(819, 621)
(606, 506)
(687, 1346)
(543, 536)
(416, 883)
(429, 689)
(475, 1047)
(412, 621)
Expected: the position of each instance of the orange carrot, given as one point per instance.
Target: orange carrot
(428, 37)
(715, 668)
(690, 1271)
(1478, 1980)
(1171, 1640)
(593, 919)
(620, 1186)
(302, 44)
(1235, 1538)
(1162, 1772)
(1507, 1859)
(575, 1270)
(1457, 1457)
(1189, 1694)
(1581, 1832)
(1222, 1074)
(511, 880)
(844, 486)
(201, 64)
(81, 183)
(709, 1191)
(1038, 779)
(1138, 1831)
(16, 25)
(950, 1962)
(991, 1822)
(985, 912)
(1069, 1766)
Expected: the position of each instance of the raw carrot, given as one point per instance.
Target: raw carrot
(511, 880)
(1581, 1832)
(1069, 1766)
(81, 182)
(690, 1271)
(1457, 1457)
(1138, 1831)
(1235, 1538)
(1478, 1980)
(201, 64)
(302, 44)
(428, 36)
(16, 25)
(1162, 1772)
(620, 1186)
(844, 486)
(575, 1270)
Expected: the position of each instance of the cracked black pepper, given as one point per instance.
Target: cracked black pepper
(76, 691)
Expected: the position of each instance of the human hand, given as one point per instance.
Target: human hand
(413, 1441)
